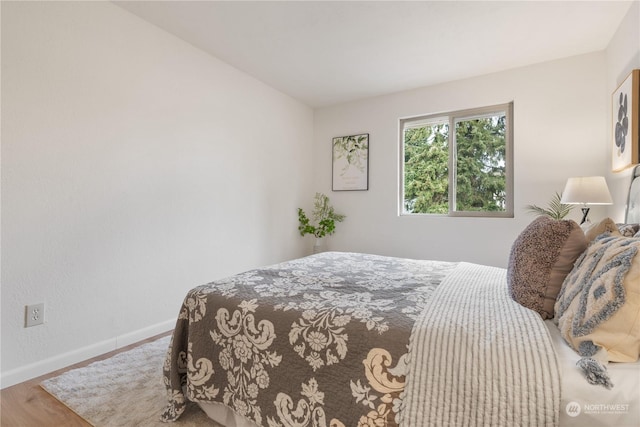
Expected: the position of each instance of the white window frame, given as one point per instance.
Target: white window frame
(453, 117)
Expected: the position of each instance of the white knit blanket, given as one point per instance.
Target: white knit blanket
(477, 358)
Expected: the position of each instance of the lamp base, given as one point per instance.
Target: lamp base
(585, 212)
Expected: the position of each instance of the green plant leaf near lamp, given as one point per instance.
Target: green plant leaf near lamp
(325, 218)
(555, 210)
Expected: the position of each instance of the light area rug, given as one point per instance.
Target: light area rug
(124, 390)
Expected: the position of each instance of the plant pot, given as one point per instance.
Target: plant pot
(318, 245)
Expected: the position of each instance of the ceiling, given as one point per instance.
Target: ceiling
(329, 52)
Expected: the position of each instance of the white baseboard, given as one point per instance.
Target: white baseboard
(144, 333)
(33, 370)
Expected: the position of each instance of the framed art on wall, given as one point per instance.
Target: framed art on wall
(351, 162)
(626, 122)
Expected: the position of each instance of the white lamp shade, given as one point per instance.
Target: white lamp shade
(586, 190)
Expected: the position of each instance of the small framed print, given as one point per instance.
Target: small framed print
(626, 121)
(351, 162)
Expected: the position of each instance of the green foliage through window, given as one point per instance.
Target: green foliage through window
(426, 165)
(465, 172)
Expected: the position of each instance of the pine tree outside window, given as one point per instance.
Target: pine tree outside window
(458, 163)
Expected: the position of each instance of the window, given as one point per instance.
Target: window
(458, 163)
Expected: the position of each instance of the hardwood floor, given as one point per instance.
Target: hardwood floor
(28, 405)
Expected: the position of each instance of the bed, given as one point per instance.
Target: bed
(351, 339)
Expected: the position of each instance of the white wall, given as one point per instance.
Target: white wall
(134, 167)
(559, 110)
(623, 56)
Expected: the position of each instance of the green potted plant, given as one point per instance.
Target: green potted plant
(555, 210)
(325, 219)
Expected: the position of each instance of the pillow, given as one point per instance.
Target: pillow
(629, 230)
(540, 259)
(607, 225)
(599, 304)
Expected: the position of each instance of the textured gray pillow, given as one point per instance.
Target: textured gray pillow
(540, 259)
(599, 303)
(629, 230)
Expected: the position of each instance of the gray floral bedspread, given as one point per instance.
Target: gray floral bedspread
(318, 341)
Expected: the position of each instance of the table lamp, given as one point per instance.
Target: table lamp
(586, 190)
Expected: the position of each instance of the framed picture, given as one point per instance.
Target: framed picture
(351, 162)
(626, 119)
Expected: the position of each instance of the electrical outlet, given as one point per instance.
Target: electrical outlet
(34, 315)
